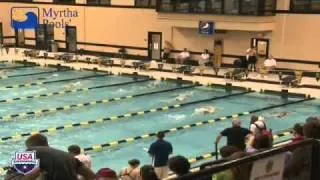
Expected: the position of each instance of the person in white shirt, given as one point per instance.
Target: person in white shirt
(184, 55)
(75, 150)
(205, 57)
(257, 124)
(270, 63)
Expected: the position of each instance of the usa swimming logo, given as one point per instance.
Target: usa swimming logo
(206, 27)
(25, 162)
(25, 17)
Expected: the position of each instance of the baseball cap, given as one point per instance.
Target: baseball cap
(106, 172)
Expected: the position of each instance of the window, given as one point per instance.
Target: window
(182, 5)
(198, 5)
(98, 2)
(305, 5)
(231, 7)
(300, 5)
(165, 6)
(234, 7)
(145, 3)
(249, 7)
(65, 1)
(315, 5)
(214, 6)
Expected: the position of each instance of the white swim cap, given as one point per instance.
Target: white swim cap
(260, 118)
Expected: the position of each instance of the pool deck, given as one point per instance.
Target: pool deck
(195, 77)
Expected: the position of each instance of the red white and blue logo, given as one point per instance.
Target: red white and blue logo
(25, 162)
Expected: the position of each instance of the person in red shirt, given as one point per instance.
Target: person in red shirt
(297, 133)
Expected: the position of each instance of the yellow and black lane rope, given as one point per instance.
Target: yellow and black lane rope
(50, 82)
(115, 118)
(33, 74)
(207, 156)
(70, 91)
(12, 117)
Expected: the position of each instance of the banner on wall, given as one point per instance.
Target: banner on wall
(30, 17)
(206, 27)
(269, 168)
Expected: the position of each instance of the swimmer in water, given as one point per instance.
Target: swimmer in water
(55, 75)
(205, 110)
(282, 114)
(154, 84)
(183, 97)
(4, 73)
(73, 85)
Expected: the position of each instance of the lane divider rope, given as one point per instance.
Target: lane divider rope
(49, 82)
(206, 156)
(33, 74)
(12, 117)
(113, 118)
(70, 91)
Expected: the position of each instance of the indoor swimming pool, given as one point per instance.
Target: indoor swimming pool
(123, 113)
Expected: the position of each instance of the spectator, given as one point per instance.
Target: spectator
(235, 135)
(106, 174)
(179, 165)
(241, 172)
(270, 63)
(184, 55)
(257, 124)
(297, 133)
(227, 151)
(132, 172)
(205, 58)
(147, 172)
(160, 151)
(75, 150)
(299, 165)
(260, 142)
(55, 164)
(251, 59)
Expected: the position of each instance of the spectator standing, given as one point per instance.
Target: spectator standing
(183, 56)
(257, 124)
(160, 151)
(75, 150)
(205, 58)
(132, 172)
(236, 135)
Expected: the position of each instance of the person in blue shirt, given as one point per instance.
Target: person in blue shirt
(160, 151)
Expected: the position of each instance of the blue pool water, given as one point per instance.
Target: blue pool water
(190, 142)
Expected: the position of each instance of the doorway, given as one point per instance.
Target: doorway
(154, 45)
(71, 39)
(218, 52)
(44, 36)
(20, 38)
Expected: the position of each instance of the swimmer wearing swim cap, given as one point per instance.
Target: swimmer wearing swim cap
(282, 114)
(205, 110)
